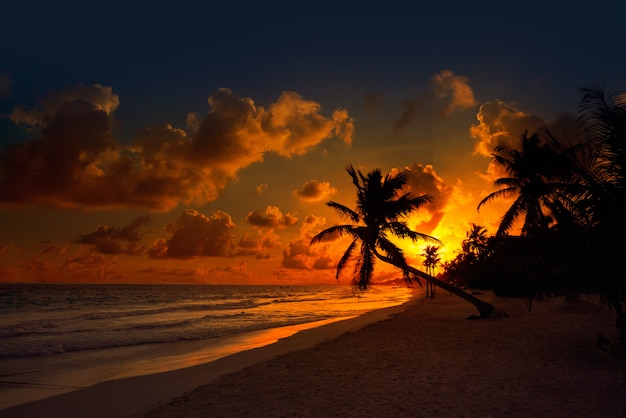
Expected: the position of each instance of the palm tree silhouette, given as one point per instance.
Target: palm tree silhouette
(431, 260)
(603, 176)
(476, 241)
(380, 211)
(533, 177)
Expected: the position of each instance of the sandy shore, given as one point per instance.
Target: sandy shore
(424, 361)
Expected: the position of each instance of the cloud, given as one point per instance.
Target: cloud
(499, 121)
(296, 255)
(91, 266)
(7, 248)
(55, 249)
(257, 246)
(197, 235)
(455, 88)
(311, 226)
(272, 217)
(422, 179)
(410, 108)
(299, 253)
(315, 191)
(74, 161)
(116, 240)
(261, 188)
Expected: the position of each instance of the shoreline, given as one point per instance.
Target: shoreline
(428, 360)
(131, 392)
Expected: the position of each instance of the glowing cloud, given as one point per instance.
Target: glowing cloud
(272, 217)
(315, 191)
(75, 161)
(421, 180)
(500, 122)
(299, 254)
(454, 88)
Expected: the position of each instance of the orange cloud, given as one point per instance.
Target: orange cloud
(261, 188)
(272, 217)
(256, 247)
(300, 255)
(7, 248)
(91, 266)
(421, 180)
(197, 235)
(454, 88)
(75, 161)
(315, 191)
(499, 121)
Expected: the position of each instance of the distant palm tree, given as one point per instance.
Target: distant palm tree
(532, 177)
(380, 211)
(431, 260)
(476, 241)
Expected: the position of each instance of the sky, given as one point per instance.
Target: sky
(198, 143)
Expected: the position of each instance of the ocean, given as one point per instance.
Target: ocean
(70, 335)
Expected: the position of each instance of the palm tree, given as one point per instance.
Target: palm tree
(476, 242)
(603, 175)
(533, 176)
(431, 260)
(380, 211)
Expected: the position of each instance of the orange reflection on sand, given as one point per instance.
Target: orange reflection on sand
(216, 349)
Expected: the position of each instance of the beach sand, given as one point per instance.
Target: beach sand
(426, 360)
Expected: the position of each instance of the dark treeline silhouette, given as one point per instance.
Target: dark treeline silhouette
(569, 193)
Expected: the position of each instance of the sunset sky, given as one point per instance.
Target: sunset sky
(199, 143)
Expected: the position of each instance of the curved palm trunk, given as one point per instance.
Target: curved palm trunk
(484, 308)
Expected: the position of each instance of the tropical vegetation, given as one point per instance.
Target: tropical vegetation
(568, 194)
(380, 213)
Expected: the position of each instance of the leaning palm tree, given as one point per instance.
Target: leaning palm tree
(380, 210)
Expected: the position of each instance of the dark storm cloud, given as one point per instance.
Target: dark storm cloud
(116, 240)
(197, 235)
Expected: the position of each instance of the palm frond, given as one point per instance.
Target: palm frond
(346, 256)
(344, 211)
(333, 232)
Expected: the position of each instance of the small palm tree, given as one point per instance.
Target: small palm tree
(476, 242)
(431, 260)
(380, 211)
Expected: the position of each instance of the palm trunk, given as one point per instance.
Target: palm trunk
(484, 308)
